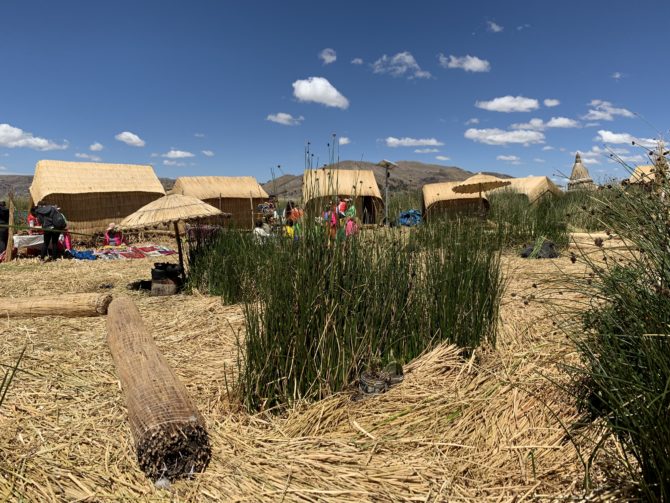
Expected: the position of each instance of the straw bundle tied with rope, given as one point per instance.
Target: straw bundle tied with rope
(492, 427)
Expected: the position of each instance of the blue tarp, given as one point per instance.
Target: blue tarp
(409, 218)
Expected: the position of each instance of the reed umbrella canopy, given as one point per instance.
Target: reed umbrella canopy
(480, 183)
(170, 209)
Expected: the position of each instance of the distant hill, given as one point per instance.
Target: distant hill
(410, 175)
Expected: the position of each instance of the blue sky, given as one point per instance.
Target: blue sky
(236, 88)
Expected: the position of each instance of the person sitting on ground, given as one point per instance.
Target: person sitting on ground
(4, 231)
(50, 220)
(341, 207)
(351, 227)
(351, 209)
(260, 234)
(113, 236)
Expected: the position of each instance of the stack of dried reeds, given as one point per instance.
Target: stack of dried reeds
(71, 306)
(169, 432)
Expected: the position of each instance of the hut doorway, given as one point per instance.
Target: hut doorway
(369, 212)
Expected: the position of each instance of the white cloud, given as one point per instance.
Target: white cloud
(96, 147)
(343, 140)
(442, 158)
(551, 102)
(130, 139)
(319, 90)
(199, 135)
(401, 65)
(357, 61)
(285, 119)
(469, 122)
(89, 157)
(537, 159)
(177, 154)
(494, 27)
(511, 159)
(548, 147)
(500, 137)
(523, 27)
(623, 138)
(168, 162)
(328, 56)
(540, 125)
(467, 63)
(617, 75)
(13, 137)
(509, 104)
(426, 150)
(207, 153)
(605, 111)
(412, 142)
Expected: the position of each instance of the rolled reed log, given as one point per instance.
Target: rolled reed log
(71, 306)
(169, 433)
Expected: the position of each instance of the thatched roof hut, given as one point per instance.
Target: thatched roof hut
(580, 178)
(643, 174)
(322, 186)
(237, 195)
(533, 187)
(91, 195)
(439, 199)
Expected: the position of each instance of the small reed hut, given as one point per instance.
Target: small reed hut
(91, 195)
(580, 178)
(237, 195)
(440, 200)
(324, 186)
(642, 175)
(533, 187)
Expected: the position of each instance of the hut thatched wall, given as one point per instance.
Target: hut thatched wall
(91, 195)
(322, 186)
(533, 187)
(439, 199)
(237, 195)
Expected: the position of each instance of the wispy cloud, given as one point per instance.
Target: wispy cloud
(467, 63)
(207, 153)
(199, 135)
(96, 147)
(402, 64)
(89, 157)
(177, 154)
(606, 136)
(510, 159)
(494, 27)
(501, 137)
(328, 56)
(605, 111)
(169, 162)
(426, 150)
(509, 104)
(523, 27)
(130, 139)
(343, 140)
(548, 147)
(13, 137)
(551, 102)
(617, 75)
(442, 158)
(357, 61)
(554, 122)
(472, 121)
(319, 90)
(393, 142)
(537, 159)
(285, 119)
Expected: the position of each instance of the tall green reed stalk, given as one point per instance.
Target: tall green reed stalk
(624, 339)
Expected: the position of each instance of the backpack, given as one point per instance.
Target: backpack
(59, 220)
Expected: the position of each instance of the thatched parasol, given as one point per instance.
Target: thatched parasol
(170, 209)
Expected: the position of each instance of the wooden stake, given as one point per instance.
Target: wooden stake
(169, 432)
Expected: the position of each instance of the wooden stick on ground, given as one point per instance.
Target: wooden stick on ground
(71, 306)
(10, 237)
(169, 432)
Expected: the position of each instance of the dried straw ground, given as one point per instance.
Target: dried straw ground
(490, 428)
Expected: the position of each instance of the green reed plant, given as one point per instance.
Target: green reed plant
(625, 338)
(9, 377)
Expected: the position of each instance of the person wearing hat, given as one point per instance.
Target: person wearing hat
(113, 236)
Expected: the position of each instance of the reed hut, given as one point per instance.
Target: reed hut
(439, 200)
(91, 195)
(642, 175)
(579, 177)
(324, 186)
(237, 195)
(534, 188)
